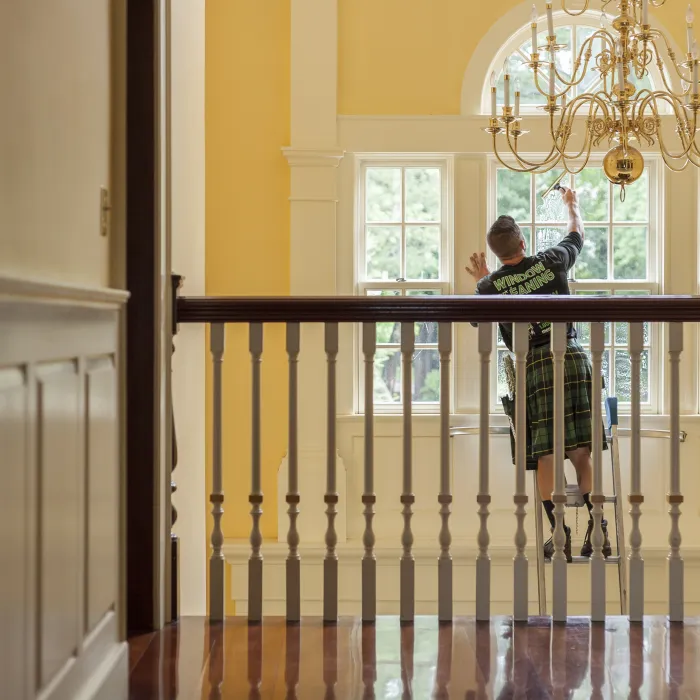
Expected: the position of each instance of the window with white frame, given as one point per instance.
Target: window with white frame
(403, 250)
(618, 258)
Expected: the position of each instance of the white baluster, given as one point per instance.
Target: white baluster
(293, 560)
(597, 495)
(255, 563)
(483, 499)
(445, 497)
(330, 562)
(369, 562)
(217, 564)
(521, 345)
(675, 498)
(559, 581)
(636, 567)
(407, 567)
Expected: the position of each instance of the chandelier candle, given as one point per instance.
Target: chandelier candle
(517, 98)
(689, 19)
(645, 13)
(533, 17)
(552, 69)
(493, 96)
(550, 20)
(506, 90)
(695, 68)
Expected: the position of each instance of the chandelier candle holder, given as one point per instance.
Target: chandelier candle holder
(618, 114)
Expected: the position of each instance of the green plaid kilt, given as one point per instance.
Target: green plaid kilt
(577, 399)
(540, 402)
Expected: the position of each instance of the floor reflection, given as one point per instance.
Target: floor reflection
(465, 660)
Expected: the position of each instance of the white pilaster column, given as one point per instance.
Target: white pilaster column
(313, 158)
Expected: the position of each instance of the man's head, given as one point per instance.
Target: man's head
(505, 239)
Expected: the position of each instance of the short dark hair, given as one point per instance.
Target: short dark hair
(504, 237)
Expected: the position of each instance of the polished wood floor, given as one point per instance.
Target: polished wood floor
(467, 660)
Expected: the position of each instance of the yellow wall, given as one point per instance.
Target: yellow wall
(247, 227)
(409, 56)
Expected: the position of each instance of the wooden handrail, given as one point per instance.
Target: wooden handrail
(525, 308)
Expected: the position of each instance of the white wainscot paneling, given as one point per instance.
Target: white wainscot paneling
(60, 477)
(16, 510)
(102, 483)
(61, 494)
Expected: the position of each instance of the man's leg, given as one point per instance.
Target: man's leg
(581, 459)
(545, 484)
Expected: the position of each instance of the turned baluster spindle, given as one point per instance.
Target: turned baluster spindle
(636, 563)
(217, 565)
(293, 564)
(521, 345)
(675, 497)
(559, 563)
(255, 563)
(330, 562)
(483, 498)
(407, 564)
(597, 495)
(369, 562)
(445, 496)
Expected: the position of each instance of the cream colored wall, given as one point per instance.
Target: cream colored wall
(54, 139)
(188, 258)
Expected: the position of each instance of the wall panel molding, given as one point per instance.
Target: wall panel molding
(61, 499)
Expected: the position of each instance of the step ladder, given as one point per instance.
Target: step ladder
(574, 499)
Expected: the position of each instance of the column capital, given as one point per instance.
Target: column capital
(313, 157)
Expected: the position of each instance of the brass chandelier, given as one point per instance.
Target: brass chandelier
(618, 114)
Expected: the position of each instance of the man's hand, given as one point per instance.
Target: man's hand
(479, 269)
(569, 197)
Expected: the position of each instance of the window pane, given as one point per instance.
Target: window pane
(592, 264)
(564, 58)
(551, 209)
(383, 292)
(584, 329)
(383, 195)
(387, 377)
(383, 251)
(592, 75)
(426, 376)
(547, 237)
(622, 329)
(593, 190)
(623, 376)
(388, 333)
(503, 389)
(513, 194)
(527, 235)
(426, 331)
(605, 369)
(630, 252)
(422, 194)
(422, 252)
(636, 204)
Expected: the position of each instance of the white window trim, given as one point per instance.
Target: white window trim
(590, 18)
(653, 282)
(445, 162)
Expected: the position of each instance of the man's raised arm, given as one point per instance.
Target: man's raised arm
(575, 221)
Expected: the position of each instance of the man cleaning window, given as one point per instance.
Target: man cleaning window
(547, 273)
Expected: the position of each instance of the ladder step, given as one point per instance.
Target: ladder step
(608, 499)
(584, 560)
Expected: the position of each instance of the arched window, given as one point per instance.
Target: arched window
(571, 32)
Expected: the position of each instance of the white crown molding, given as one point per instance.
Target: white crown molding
(27, 289)
(313, 157)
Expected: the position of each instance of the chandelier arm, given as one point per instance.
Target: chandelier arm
(574, 13)
(684, 138)
(536, 170)
(661, 63)
(553, 155)
(599, 34)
